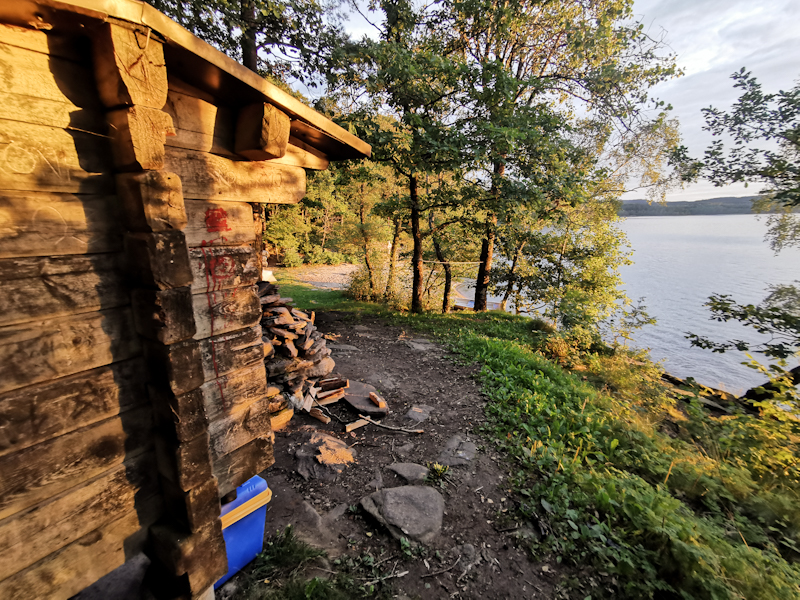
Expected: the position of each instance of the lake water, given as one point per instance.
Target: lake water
(678, 263)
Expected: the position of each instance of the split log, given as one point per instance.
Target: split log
(333, 383)
(233, 469)
(43, 350)
(281, 420)
(319, 415)
(152, 201)
(129, 66)
(47, 287)
(30, 536)
(262, 132)
(186, 365)
(33, 414)
(330, 397)
(288, 349)
(38, 224)
(218, 223)
(49, 468)
(158, 260)
(284, 333)
(137, 136)
(378, 401)
(223, 268)
(211, 177)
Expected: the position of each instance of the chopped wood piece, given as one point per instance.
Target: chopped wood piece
(378, 401)
(301, 315)
(306, 344)
(298, 325)
(355, 425)
(332, 394)
(277, 405)
(289, 349)
(281, 420)
(319, 415)
(333, 383)
(270, 299)
(283, 333)
(308, 402)
(272, 320)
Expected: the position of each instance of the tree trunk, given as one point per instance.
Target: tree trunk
(248, 41)
(398, 227)
(510, 287)
(416, 234)
(487, 249)
(367, 263)
(765, 391)
(448, 272)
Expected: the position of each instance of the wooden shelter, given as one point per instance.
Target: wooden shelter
(135, 162)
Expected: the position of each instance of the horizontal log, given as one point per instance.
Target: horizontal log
(81, 563)
(183, 416)
(47, 90)
(47, 469)
(240, 428)
(219, 223)
(183, 552)
(129, 66)
(262, 132)
(151, 201)
(211, 177)
(36, 413)
(39, 224)
(199, 124)
(184, 366)
(158, 260)
(224, 311)
(138, 135)
(43, 350)
(46, 287)
(233, 392)
(32, 535)
(50, 43)
(50, 159)
(236, 467)
(194, 508)
(223, 268)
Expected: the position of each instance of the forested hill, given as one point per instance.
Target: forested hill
(712, 206)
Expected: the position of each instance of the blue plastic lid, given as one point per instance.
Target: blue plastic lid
(247, 491)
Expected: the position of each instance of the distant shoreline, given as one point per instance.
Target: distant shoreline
(712, 206)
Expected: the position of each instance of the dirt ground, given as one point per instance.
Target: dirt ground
(479, 508)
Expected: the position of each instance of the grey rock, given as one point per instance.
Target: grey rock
(420, 346)
(411, 472)
(322, 368)
(405, 449)
(322, 457)
(457, 452)
(409, 511)
(376, 483)
(343, 348)
(419, 412)
(360, 327)
(382, 381)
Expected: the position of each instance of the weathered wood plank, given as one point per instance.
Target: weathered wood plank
(186, 553)
(31, 535)
(165, 315)
(49, 43)
(138, 135)
(36, 413)
(240, 428)
(234, 392)
(186, 464)
(224, 311)
(218, 223)
(81, 563)
(194, 508)
(48, 90)
(158, 260)
(199, 124)
(233, 469)
(44, 470)
(129, 66)
(184, 415)
(262, 132)
(46, 287)
(212, 177)
(37, 224)
(300, 154)
(223, 268)
(51, 159)
(152, 201)
(184, 366)
(43, 350)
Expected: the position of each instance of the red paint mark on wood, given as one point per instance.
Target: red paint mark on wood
(217, 220)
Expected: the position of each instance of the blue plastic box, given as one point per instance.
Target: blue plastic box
(243, 525)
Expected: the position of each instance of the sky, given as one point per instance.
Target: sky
(712, 39)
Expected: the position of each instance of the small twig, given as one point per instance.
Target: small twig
(385, 577)
(389, 427)
(450, 568)
(507, 529)
(380, 562)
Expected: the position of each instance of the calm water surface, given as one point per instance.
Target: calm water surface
(678, 263)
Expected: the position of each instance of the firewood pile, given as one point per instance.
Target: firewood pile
(295, 354)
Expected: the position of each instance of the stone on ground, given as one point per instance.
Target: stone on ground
(411, 472)
(357, 396)
(409, 511)
(419, 412)
(457, 451)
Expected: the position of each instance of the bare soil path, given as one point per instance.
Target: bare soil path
(479, 534)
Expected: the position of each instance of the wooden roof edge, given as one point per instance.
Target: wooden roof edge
(142, 13)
